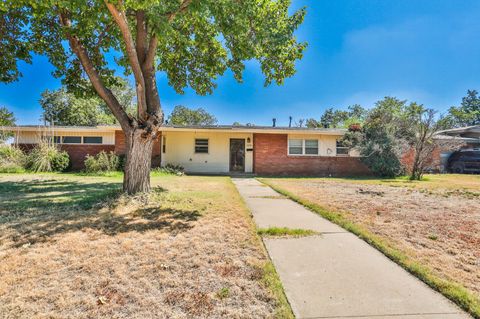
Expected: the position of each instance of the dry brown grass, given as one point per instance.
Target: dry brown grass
(70, 247)
(433, 222)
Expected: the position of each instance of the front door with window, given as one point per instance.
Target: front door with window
(237, 155)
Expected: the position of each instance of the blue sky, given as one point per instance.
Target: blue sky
(359, 51)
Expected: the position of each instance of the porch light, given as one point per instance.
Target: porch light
(248, 140)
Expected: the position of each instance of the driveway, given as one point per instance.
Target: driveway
(336, 274)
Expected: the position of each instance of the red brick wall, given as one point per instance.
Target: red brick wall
(120, 142)
(270, 158)
(77, 153)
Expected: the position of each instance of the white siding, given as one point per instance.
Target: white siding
(180, 150)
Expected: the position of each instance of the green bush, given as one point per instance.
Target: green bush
(102, 162)
(170, 169)
(47, 158)
(12, 159)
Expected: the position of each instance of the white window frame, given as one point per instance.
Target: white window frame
(303, 146)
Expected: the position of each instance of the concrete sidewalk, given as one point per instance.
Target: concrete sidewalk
(336, 274)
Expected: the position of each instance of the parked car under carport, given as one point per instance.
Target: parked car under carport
(464, 161)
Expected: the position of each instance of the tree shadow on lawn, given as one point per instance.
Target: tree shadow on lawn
(35, 211)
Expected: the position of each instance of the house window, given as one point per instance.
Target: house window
(164, 144)
(201, 145)
(342, 150)
(311, 147)
(302, 147)
(295, 147)
(72, 140)
(92, 139)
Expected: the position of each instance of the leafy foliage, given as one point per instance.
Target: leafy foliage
(192, 41)
(182, 115)
(63, 108)
(194, 48)
(12, 159)
(467, 114)
(380, 141)
(47, 157)
(6, 119)
(102, 162)
(393, 131)
(339, 118)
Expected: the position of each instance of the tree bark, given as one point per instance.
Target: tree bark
(139, 146)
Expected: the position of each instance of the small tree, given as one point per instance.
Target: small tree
(419, 132)
(422, 126)
(380, 140)
(192, 41)
(312, 123)
(6, 119)
(182, 115)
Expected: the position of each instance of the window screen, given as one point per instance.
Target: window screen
(295, 147)
(92, 139)
(311, 147)
(72, 140)
(201, 145)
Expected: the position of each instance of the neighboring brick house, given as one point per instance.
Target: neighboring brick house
(215, 149)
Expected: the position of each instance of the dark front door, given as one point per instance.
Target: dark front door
(237, 155)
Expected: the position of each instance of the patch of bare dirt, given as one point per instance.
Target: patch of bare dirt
(439, 228)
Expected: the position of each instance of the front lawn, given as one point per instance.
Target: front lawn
(431, 227)
(72, 246)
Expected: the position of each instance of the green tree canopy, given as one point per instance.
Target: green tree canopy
(380, 141)
(467, 114)
(63, 108)
(6, 119)
(182, 115)
(332, 118)
(192, 41)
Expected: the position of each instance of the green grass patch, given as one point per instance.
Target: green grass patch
(452, 290)
(285, 232)
(272, 281)
(223, 293)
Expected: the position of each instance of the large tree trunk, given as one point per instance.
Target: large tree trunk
(139, 146)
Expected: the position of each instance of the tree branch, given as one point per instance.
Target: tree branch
(141, 40)
(94, 77)
(152, 50)
(121, 21)
(103, 34)
(183, 7)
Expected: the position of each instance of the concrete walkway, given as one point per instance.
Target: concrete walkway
(336, 274)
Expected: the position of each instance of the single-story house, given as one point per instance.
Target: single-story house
(219, 149)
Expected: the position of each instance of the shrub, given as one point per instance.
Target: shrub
(12, 159)
(170, 169)
(47, 158)
(102, 162)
